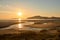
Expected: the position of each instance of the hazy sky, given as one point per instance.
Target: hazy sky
(10, 8)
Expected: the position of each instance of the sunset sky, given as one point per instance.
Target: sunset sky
(10, 8)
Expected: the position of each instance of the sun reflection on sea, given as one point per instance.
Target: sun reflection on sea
(19, 25)
(19, 20)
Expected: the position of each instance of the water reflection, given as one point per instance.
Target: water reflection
(19, 20)
(20, 26)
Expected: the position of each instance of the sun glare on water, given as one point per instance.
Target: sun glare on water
(19, 19)
(19, 16)
(20, 26)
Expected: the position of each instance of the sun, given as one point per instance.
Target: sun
(19, 19)
(19, 13)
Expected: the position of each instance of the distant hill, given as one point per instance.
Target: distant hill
(41, 17)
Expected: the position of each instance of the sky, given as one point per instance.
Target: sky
(10, 8)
